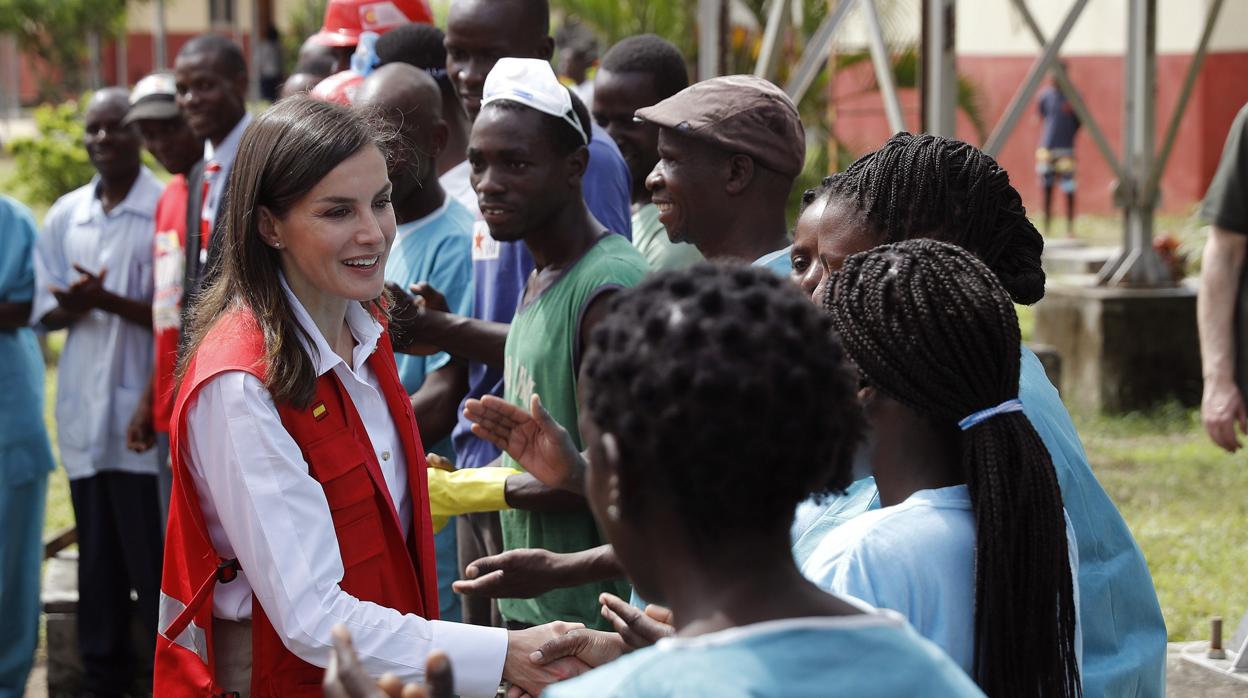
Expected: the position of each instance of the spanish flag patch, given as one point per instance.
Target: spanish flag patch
(319, 411)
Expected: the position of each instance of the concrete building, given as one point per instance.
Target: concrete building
(995, 51)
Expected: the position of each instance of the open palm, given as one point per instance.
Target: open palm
(534, 439)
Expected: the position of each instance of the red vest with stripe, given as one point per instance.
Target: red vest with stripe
(379, 565)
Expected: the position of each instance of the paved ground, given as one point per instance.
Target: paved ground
(1183, 680)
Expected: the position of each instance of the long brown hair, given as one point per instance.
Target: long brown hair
(282, 156)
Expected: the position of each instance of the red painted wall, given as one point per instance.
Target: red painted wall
(140, 59)
(1219, 93)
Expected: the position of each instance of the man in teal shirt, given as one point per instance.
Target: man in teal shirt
(25, 455)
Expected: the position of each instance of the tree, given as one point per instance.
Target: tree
(57, 31)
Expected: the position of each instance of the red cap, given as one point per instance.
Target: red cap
(338, 88)
(345, 19)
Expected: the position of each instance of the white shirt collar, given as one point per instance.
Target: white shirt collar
(224, 154)
(140, 200)
(364, 328)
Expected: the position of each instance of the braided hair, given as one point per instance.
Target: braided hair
(929, 325)
(729, 397)
(944, 189)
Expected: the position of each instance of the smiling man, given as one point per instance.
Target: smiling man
(638, 72)
(729, 149)
(211, 76)
(93, 276)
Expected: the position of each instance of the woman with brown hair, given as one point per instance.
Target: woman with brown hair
(300, 496)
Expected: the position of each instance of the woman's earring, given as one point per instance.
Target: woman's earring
(613, 512)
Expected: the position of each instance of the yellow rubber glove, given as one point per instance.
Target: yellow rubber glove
(467, 491)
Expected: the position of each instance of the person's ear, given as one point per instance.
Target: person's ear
(740, 173)
(438, 139)
(546, 48)
(270, 228)
(578, 163)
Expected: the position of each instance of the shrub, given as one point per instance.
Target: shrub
(53, 162)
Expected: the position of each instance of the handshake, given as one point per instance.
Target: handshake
(536, 657)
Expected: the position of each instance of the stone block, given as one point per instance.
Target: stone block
(1077, 260)
(1122, 349)
(60, 608)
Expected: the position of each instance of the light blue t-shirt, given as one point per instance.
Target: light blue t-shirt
(779, 261)
(916, 558)
(1124, 635)
(436, 249)
(863, 656)
(25, 453)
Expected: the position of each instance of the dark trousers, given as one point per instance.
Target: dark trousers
(119, 550)
(477, 536)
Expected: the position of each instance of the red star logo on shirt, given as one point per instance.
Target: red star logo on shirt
(477, 239)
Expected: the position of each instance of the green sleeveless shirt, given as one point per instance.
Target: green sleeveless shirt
(540, 355)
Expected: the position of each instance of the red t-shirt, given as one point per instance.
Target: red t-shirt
(169, 264)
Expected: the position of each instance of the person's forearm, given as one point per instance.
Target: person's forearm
(59, 318)
(1221, 267)
(468, 338)
(138, 312)
(524, 491)
(14, 316)
(593, 565)
(436, 403)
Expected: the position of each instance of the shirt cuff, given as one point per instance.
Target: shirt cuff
(477, 654)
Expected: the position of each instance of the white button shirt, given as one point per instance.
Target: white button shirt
(262, 506)
(107, 360)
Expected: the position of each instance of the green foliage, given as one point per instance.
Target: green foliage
(54, 162)
(303, 19)
(57, 30)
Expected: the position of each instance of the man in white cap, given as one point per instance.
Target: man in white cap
(167, 136)
(528, 154)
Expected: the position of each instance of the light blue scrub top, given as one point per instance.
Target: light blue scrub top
(779, 261)
(1124, 635)
(25, 453)
(864, 656)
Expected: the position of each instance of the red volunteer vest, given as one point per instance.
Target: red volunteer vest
(379, 566)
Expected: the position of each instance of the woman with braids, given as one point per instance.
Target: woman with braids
(971, 544)
(696, 461)
(926, 186)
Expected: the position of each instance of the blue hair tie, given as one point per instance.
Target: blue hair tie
(1014, 405)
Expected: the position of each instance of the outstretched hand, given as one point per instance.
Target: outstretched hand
(410, 317)
(528, 677)
(346, 678)
(594, 647)
(537, 442)
(514, 574)
(637, 628)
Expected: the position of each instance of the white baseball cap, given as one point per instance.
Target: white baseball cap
(531, 82)
(154, 97)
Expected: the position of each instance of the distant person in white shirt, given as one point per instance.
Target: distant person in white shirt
(300, 495)
(972, 544)
(93, 277)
